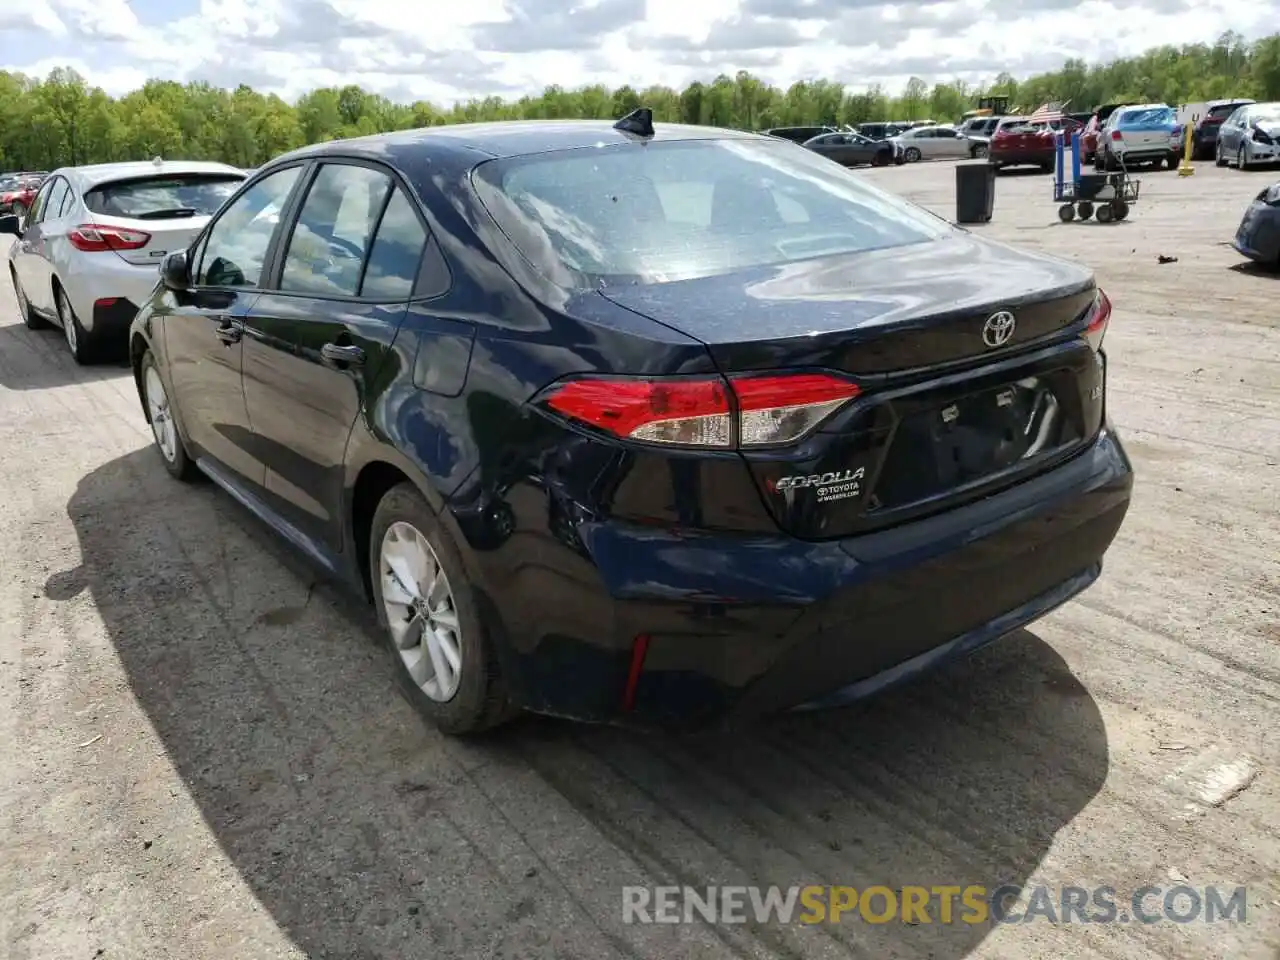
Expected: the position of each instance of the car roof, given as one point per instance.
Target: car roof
(508, 138)
(1240, 102)
(93, 175)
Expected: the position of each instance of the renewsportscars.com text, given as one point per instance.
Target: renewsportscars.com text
(945, 904)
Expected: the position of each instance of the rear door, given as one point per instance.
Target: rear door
(315, 343)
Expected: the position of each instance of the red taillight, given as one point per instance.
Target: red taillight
(96, 238)
(1099, 317)
(749, 410)
(1115, 135)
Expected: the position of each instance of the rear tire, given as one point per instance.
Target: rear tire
(29, 317)
(1085, 210)
(1218, 159)
(474, 698)
(1066, 213)
(911, 154)
(78, 339)
(1174, 161)
(1103, 213)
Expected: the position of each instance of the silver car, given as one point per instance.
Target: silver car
(89, 250)
(936, 143)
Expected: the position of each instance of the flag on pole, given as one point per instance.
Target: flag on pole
(1046, 113)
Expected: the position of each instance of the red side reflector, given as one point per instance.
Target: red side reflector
(639, 650)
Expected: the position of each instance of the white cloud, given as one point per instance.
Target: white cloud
(482, 47)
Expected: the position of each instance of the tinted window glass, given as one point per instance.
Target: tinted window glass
(673, 210)
(396, 252)
(237, 244)
(157, 198)
(1222, 111)
(1146, 118)
(329, 242)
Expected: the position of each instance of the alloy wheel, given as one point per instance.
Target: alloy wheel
(421, 611)
(162, 427)
(68, 322)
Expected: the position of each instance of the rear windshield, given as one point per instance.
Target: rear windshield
(663, 211)
(1222, 111)
(154, 198)
(1147, 118)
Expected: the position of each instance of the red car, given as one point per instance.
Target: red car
(17, 193)
(1021, 141)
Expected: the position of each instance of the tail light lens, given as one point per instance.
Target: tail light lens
(96, 238)
(1116, 135)
(708, 412)
(1099, 318)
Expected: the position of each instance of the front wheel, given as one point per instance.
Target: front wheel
(29, 317)
(1218, 159)
(1242, 158)
(443, 655)
(164, 428)
(911, 154)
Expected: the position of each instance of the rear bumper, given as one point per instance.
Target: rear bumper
(1037, 158)
(744, 626)
(107, 296)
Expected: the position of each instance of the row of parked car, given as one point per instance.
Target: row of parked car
(18, 189)
(880, 144)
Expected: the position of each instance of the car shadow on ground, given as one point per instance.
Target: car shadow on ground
(40, 359)
(365, 834)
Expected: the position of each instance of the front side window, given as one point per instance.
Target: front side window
(53, 206)
(327, 250)
(36, 213)
(666, 211)
(237, 244)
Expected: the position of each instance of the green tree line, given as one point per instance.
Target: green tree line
(61, 120)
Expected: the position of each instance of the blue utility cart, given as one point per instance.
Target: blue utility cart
(1104, 195)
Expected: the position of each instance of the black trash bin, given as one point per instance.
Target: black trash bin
(975, 192)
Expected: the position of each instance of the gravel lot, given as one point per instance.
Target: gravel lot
(206, 756)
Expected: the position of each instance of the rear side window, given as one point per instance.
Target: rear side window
(662, 211)
(1222, 111)
(396, 252)
(327, 250)
(163, 197)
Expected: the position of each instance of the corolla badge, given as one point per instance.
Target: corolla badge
(998, 328)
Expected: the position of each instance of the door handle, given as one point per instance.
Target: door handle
(228, 333)
(342, 353)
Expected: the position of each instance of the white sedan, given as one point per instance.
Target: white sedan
(937, 143)
(88, 253)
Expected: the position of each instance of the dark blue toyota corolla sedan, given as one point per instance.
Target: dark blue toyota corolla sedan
(661, 425)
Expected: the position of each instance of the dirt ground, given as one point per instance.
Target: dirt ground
(205, 756)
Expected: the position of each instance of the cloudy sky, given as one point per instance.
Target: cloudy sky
(454, 49)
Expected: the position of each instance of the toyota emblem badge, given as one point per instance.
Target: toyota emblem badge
(998, 329)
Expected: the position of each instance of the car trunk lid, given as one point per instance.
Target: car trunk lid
(953, 400)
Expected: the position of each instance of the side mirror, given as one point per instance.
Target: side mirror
(11, 225)
(173, 271)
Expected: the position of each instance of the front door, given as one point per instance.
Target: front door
(314, 346)
(204, 326)
(30, 261)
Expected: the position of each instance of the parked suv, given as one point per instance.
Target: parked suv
(1204, 143)
(1141, 134)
